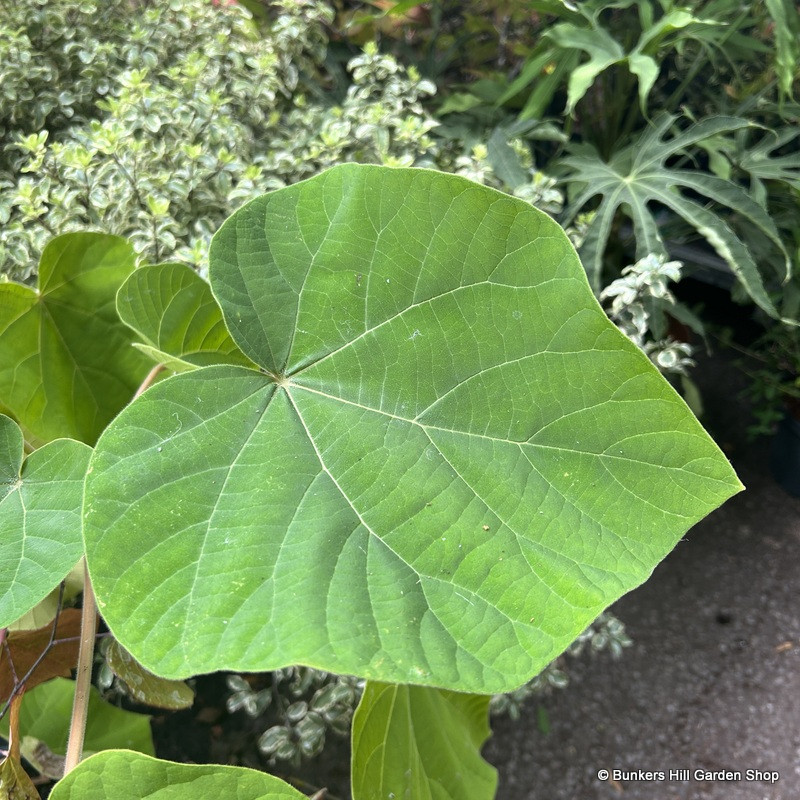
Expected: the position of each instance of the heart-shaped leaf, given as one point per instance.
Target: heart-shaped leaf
(172, 309)
(450, 464)
(415, 741)
(123, 775)
(46, 712)
(40, 518)
(66, 364)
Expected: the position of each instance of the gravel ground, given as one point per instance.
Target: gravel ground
(713, 680)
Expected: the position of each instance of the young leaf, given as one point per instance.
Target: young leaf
(638, 176)
(46, 713)
(40, 523)
(122, 775)
(450, 464)
(66, 364)
(172, 309)
(413, 741)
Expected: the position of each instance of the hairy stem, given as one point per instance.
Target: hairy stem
(83, 678)
(151, 376)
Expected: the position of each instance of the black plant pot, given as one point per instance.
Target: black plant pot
(785, 456)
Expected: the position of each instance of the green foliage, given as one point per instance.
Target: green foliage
(639, 174)
(174, 314)
(457, 492)
(319, 703)
(124, 775)
(642, 294)
(583, 32)
(605, 633)
(66, 364)
(402, 465)
(45, 715)
(414, 741)
(143, 686)
(40, 525)
(197, 112)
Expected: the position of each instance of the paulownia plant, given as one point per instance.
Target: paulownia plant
(402, 442)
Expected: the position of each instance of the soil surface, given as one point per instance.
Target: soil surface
(712, 682)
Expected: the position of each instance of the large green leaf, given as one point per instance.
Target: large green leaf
(638, 176)
(47, 709)
(66, 364)
(40, 518)
(172, 309)
(122, 775)
(415, 741)
(450, 464)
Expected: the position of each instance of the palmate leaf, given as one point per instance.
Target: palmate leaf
(638, 177)
(450, 463)
(761, 161)
(172, 310)
(66, 364)
(414, 741)
(40, 518)
(124, 775)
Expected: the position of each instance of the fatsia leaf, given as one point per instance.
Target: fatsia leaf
(450, 463)
(602, 49)
(143, 686)
(47, 709)
(762, 162)
(638, 176)
(172, 309)
(123, 775)
(66, 364)
(40, 518)
(23, 648)
(415, 741)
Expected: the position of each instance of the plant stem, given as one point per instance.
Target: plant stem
(13, 728)
(151, 376)
(83, 678)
